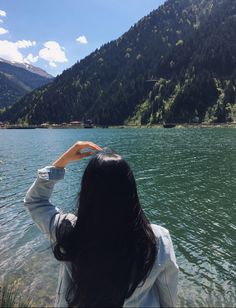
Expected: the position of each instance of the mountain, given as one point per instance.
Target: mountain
(33, 69)
(178, 64)
(18, 79)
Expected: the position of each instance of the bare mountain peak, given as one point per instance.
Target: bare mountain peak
(29, 67)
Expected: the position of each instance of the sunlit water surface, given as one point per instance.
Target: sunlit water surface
(187, 183)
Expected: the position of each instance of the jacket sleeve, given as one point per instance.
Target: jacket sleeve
(167, 278)
(44, 214)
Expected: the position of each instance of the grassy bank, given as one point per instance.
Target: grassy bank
(11, 296)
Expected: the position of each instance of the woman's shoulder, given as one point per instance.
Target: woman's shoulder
(159, 231)
(163, 238)
(165, 249)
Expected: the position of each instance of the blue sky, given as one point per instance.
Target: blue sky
(54, 34)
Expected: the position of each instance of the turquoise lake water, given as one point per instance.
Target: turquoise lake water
(186, 181)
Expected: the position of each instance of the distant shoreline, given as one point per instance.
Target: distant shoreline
(183, 125)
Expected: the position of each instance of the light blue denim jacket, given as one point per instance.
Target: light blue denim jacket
(160, 287)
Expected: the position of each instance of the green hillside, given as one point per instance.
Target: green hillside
(178, 64)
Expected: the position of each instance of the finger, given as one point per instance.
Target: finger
(91, 145)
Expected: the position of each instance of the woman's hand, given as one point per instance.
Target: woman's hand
(74, 153)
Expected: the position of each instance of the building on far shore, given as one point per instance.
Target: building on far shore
(44, 125)
(88, 124)
(75, 123)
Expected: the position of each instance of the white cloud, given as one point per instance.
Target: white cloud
(1, 21)
(10, 50)
(25, 44)
(3, 13)
(3, 31)
(31, 59)
(82, 40)
(53, 53)
(52, 64)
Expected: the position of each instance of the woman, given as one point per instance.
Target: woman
(111, 256)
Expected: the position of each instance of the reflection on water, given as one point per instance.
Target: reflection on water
(186, 180)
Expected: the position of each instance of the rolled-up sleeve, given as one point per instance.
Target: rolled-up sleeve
(46, 216)
(167, 279)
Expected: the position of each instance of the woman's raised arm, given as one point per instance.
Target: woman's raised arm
(74, 153)
(45, 215)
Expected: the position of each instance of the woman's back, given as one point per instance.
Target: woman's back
(160, 287)
(111, 255)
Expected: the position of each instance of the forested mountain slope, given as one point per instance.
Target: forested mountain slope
(178, 64)
(18, 79)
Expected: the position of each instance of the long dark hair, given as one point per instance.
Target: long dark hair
(112, 247)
